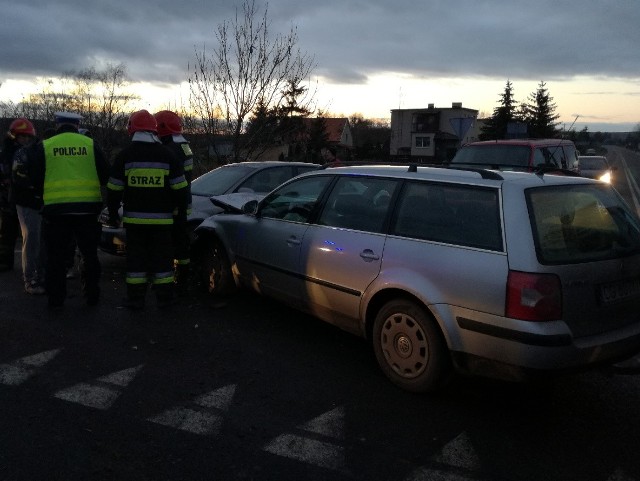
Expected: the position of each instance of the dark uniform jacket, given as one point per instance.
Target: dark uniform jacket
(182, 150)
(149, 180)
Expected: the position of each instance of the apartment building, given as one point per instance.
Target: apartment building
(431, 135)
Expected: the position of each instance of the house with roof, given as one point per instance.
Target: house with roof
(431, 135)
(296, 146)
(339, 135)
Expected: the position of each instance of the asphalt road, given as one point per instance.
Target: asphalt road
(252, 390)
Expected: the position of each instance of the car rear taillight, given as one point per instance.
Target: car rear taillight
(533, 297)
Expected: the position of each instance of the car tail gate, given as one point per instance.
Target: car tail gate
(591, 239)
(602, 296)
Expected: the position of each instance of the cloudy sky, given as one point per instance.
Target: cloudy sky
(371, 56)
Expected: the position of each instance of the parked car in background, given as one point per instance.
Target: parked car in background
(594, 167)
(518, 154)
(245, 180)
(503, 274)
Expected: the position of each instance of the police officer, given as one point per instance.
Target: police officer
(69, 169)
(150, 180)
(21, 133)
(170, 133)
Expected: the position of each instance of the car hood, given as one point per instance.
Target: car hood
(233, 203)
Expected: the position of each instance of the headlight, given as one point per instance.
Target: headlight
(606, 178)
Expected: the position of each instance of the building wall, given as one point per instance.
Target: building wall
(409, 139)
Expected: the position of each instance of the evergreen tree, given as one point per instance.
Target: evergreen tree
(540, 114)
(318, 137)
(504, 114)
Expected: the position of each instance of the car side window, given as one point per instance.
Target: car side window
(266, 180)
(453, 214)
(294, 201)
(549, 156)
(359, 203)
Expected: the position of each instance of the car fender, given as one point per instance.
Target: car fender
(426, 291)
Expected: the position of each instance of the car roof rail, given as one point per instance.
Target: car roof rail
(484, 173)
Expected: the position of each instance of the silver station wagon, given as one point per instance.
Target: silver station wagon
(502, 274)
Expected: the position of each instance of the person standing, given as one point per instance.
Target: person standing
(149, 180)
(69, 170)
(21, 133)
(29, 207)
(170, 134)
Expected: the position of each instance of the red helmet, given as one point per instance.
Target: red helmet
(142, 120)
(168, 123)
(22, 127)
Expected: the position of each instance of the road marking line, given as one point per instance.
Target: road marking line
(310, 451)
(196, 420)
(330, 424)
(313, 451)
(220, 398)
(22, 369)
(186, 419)
(459, 453)
(620, 475)
(103, 392)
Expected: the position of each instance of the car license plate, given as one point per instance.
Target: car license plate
(619, 291)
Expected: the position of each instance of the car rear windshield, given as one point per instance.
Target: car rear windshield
(593, 163)
(506, 155)
(220, 180)
(581, 223)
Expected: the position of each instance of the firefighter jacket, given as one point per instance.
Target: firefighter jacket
(67, 172)
(181, 148)
(149, 181)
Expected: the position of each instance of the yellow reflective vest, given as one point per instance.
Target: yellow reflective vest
(70, 176)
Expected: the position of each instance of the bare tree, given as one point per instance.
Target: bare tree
(250, 69)
(98, 95)
(103, 101)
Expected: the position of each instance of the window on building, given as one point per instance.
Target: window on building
(423, 142)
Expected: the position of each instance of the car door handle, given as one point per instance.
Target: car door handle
(368, 255)
(293, 241)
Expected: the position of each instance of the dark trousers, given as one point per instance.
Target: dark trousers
(9, 229)
(59, 231)
(149, 261)
(181, 254)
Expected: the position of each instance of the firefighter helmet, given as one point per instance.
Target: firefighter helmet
(168, 123)
(142, 120)
(21, 126)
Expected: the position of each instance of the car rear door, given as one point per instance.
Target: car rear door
(341, 254)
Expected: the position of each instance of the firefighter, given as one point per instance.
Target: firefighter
(170, 133)
(21, 133)
(69, 170)
(149, 180)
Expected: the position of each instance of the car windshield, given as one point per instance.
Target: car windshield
(220, 180)
(594, 163)
(508, 155)
(582, 223)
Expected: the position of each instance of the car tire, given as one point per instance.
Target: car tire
(212, 268)
(410, 347)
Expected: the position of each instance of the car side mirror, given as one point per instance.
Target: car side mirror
(250, 207)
